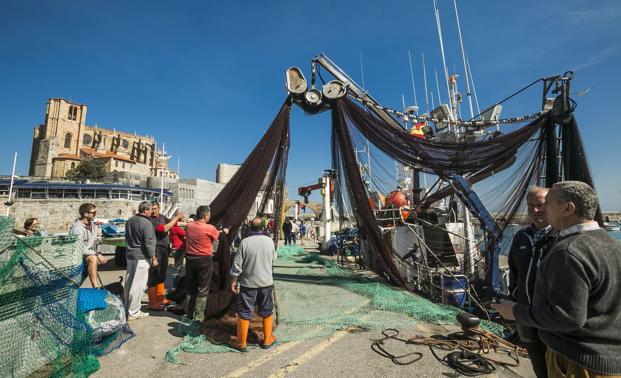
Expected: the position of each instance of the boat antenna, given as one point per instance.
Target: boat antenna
(463, 56)
(405, 119)
(438, 88)
(412, 77)
(474, 89)
(439, 27)
(362, 72)
(425, 79)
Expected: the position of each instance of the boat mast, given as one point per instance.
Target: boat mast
(474, 89)
(413, 85)
(438, 88)
(425, 79)
(463, 56)
(446, 79)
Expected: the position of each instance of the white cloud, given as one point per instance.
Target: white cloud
(598, 57)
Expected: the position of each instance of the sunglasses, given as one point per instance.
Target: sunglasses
(92, 212)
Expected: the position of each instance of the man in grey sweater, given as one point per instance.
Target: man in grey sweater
(140, 240)
(84, 229)
(252, 282)
(576, 302)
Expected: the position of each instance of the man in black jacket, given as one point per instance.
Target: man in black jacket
(287, 227)
(576, 306)
(528, 248)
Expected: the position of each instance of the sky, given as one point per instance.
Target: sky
(207, 77)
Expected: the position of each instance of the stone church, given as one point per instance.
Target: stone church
(64, 139)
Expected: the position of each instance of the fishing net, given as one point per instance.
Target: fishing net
(316, 297)
(46, 322)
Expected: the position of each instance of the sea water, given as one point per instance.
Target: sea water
(615, 234)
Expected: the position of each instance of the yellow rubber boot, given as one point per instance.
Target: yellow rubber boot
(268, 337)
(242, 334)
(161, 294)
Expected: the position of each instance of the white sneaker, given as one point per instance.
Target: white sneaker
(138, 315)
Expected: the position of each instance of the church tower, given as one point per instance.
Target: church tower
(58, 136)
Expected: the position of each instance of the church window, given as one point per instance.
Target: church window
(87, 139)
(68, 137)
(72, 165)
(73, 113)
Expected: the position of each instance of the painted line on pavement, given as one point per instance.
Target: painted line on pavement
(307, 356)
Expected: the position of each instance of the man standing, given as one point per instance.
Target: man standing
(287, 226)
(199, 238)
(157, 274)
(576, 305)
(302, 232)
(294, 231)
(527, 250)
(252, 281)
(84, 229)
(177, 240)
(140, 240)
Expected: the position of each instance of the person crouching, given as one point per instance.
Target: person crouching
(252, 282)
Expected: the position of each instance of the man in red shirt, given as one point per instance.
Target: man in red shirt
(199, 239)
(177, 241)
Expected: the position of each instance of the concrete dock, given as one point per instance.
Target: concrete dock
(344, 353)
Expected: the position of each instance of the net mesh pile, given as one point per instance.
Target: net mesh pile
(40, 324)
(315, 297)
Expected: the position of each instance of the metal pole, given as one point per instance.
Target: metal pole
(439, 27)
(438, 88)
(162, 181)
(425, 79)
(412, 77)
(463, 56)
(8, 208)
(327, 211)
(474, 88)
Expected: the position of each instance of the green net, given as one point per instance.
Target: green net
(41, 324)
(315, 297)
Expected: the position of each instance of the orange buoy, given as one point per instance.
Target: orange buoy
(397, 199)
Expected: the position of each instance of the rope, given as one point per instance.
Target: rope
(391, 334)
(467, 350)
(466, 363)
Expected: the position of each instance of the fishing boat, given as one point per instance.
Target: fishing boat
(612, 226)
(444, 240)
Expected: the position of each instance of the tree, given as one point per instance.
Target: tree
(88, 169)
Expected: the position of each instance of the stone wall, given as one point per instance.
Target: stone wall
(189, 194)
(58, 214)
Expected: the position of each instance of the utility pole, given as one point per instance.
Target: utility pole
(327, 208)
(162, 175)
(8, 202)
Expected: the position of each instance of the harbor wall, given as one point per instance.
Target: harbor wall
(58, 214)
